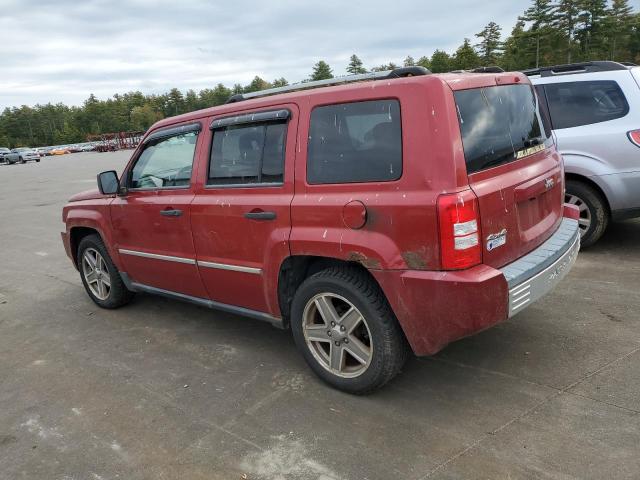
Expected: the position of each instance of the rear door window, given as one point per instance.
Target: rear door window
(499, 125)
(355, 142)
(248, 154)
(573, 104)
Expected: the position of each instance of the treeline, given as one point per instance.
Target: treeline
(547, 33)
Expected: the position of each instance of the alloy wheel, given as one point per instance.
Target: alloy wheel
(96, 273)
(337, 335)
(585, 214)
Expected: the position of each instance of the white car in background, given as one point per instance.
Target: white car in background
(22, 155)
(594, 111)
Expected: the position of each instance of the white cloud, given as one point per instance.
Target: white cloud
(63, 50)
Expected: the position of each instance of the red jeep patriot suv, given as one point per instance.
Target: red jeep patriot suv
(380, 213)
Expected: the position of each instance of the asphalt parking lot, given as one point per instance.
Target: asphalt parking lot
(165, 390)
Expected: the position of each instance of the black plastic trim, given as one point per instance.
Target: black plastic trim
(280, 115)
(409, 72)
(238, 97)
(203, 302)
(490, 69)
(173, 131)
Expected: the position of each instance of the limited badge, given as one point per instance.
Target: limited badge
(496, 240)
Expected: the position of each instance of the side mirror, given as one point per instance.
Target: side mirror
(108, 183)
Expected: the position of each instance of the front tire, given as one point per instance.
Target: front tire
(346, 331)
(594, 214)
(99, 274)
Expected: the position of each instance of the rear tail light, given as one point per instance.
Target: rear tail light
(459, 220)
(634, 136)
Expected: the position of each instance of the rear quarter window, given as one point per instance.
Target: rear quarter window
(574, 104)
(355, 142)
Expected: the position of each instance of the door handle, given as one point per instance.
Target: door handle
(260, 215)
(170, 212)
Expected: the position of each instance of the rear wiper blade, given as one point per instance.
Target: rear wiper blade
(534, 141)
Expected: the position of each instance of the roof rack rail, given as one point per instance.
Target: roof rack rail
(489, 69)
(388, 74)
(573, 68)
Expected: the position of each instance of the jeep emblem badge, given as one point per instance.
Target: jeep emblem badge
(549, 183)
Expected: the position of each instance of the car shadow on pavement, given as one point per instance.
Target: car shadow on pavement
(619, 235)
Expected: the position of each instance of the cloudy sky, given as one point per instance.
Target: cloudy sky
(63, 50)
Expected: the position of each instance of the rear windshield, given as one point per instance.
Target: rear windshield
(499, 125)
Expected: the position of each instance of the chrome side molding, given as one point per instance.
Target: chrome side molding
(191, 261)
(233, 268)
(156, 256)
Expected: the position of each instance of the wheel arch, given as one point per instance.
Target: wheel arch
(588, 181)
(76, 234)
(296, 269)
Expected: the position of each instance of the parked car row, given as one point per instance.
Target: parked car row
(26, 154)
(64, 149)
(19, 155)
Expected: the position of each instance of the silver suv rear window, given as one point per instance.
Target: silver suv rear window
(573, 104)
(498, 124)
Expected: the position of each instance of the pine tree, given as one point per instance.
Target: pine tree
(424, 61)
(280, 82)
(355, 66)
(256, 85)
(465, 57)
(490, 45)
(634, 39)
(321, 71)
(440, 62)
(619, 25)
(565, 21)
(592, 32)
(175, 102)
(515, 50)
(384, 67)
(409, 61)
(540, 16)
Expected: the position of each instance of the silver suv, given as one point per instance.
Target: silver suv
(594, 111)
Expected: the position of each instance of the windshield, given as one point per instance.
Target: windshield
(499, 125)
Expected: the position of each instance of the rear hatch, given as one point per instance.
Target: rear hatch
(512, 167)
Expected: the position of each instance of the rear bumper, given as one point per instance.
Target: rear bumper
(537, 273)
(436, 308)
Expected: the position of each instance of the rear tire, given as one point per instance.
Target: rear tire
(100, 276)
(364, 347)
(594, 213)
